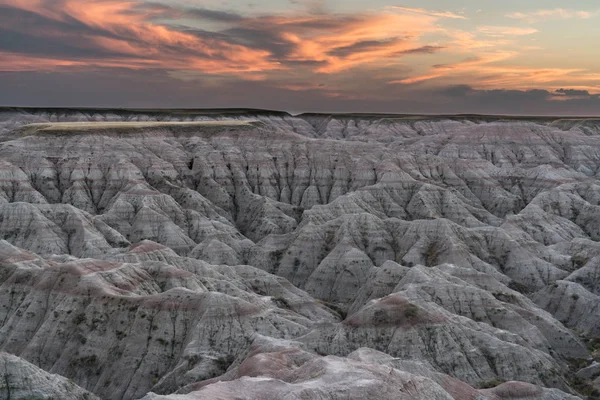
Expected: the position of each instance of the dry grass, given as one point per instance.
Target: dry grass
(124, 128)
(79, 126)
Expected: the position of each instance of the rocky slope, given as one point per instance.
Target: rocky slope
(253, 254)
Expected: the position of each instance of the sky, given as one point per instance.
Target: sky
(535, 57)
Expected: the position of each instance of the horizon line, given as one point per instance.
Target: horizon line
(241, 110)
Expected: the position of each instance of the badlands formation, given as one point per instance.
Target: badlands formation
(257, 255)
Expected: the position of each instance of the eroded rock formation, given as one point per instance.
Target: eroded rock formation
(256, 254)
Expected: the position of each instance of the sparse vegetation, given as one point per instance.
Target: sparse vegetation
(411, 311)
(584, 387)
(518, 287)
(579, 261)
(85, 362)
(432, 254)
(82, 339)
(379, 317)
(491, 383)
(225, 362)
(577, 363)
(79, 319)
(505, 297)
(281, 302)
(593, 344)
(581, 385)
(340, 311)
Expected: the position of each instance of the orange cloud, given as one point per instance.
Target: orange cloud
(290, 50)
(322, 43)
(443, 70)
(502, 31)
(123, 30)
(350, 42)
(17, 62)
(484, 73)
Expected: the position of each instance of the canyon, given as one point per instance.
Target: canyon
(254, 254)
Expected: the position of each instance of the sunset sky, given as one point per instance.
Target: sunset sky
(408, 56)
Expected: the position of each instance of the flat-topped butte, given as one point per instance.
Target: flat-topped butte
(120, 126)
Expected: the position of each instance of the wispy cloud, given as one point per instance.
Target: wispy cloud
(555, 13)
(338, 43)
(489, 71)
(502, 31)
(310, 49)
(115, 33)
(137, 34)
(468, 65)
(423, 11)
